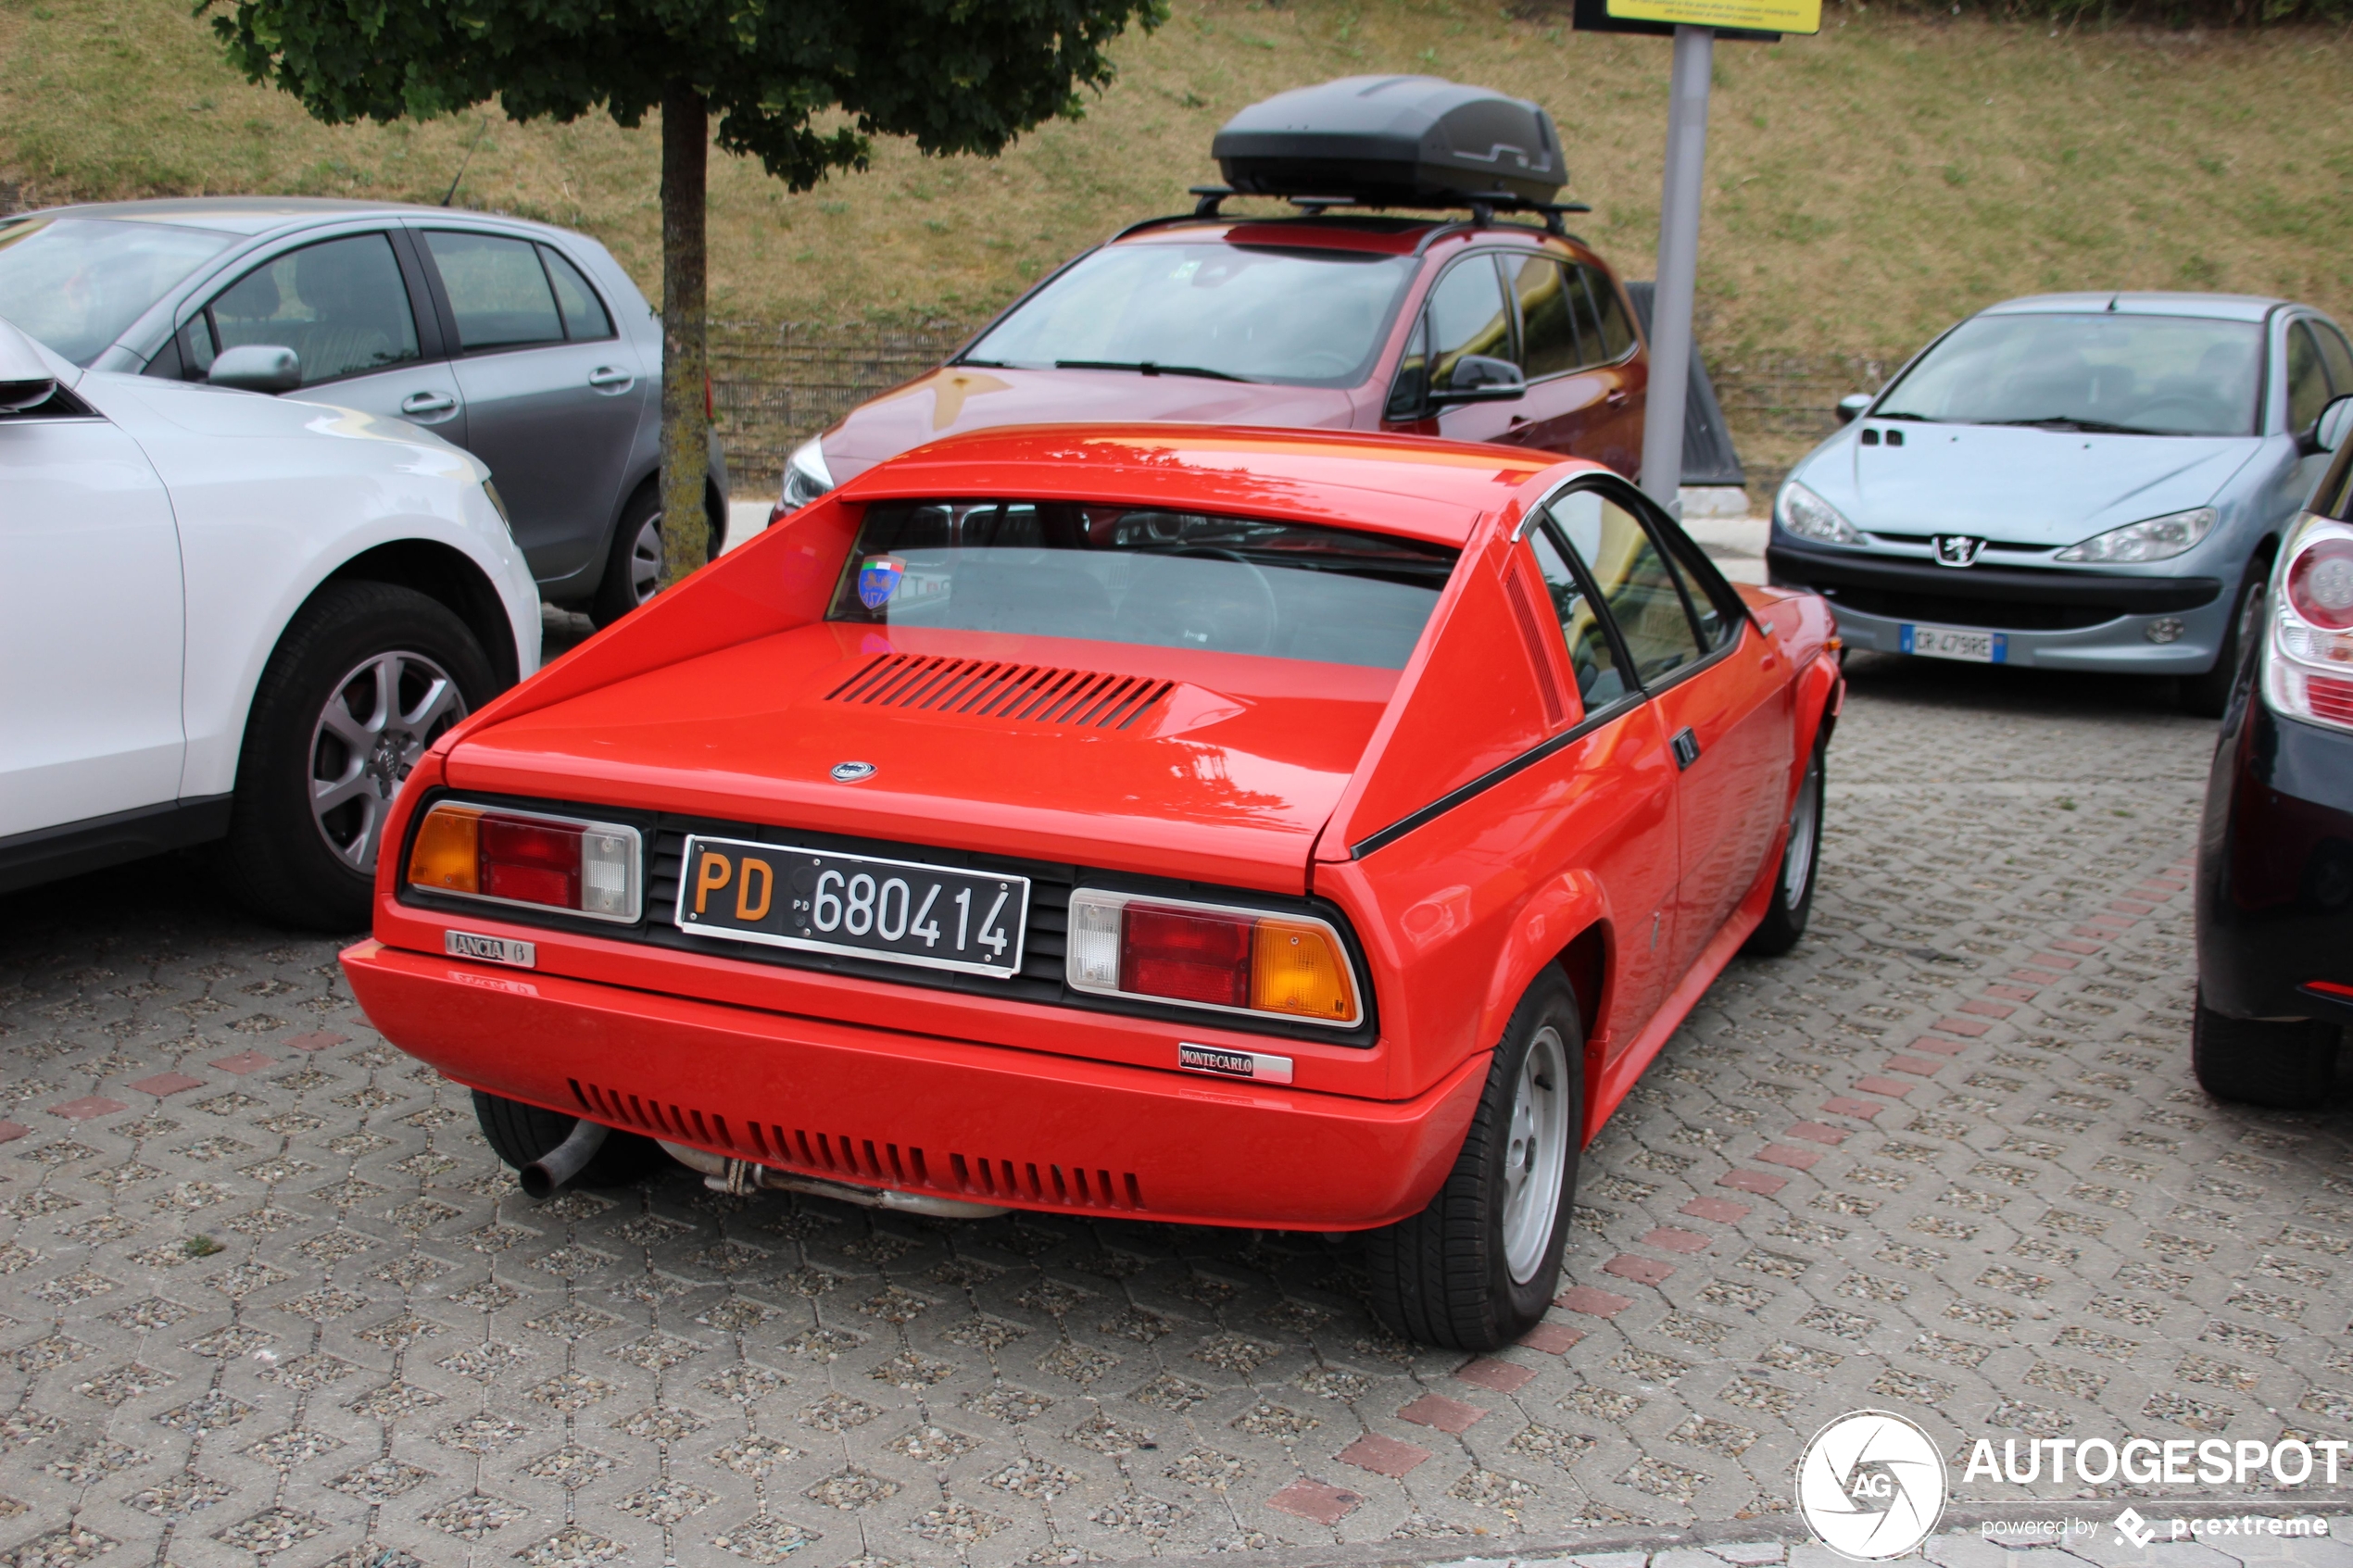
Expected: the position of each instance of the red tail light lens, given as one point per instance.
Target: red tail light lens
(2320, 583)
(523, 857)
(1191, 955)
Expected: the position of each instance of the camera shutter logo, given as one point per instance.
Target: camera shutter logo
(1871, 1486)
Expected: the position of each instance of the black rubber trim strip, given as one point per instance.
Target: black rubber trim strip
(1494, 776)
(2041, 585)
(28, 859)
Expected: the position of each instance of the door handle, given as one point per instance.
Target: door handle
(1617, 397)
(428, 403)
(1686, 747)
(608, 375)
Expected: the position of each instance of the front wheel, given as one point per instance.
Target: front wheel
(1792, 900)
(1475, 1267)
(2280, 1064)
(2207, 696)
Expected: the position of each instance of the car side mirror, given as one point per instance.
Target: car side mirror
(26, 380)
(1481, 378)
(16, 397)
(2329, 430)
(256, 367)
(1850, 407)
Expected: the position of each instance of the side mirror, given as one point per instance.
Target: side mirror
(2329, 430)
(1479, 378)
(256, 367)
(1850, 407)
(26, 380)
(16, 397)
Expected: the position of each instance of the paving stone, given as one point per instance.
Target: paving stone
(1384, 1456)
(1503, 1377)
(1437, 1410)
(1317, 1500)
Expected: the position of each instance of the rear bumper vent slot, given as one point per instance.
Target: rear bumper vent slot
(871, 1161)
(990, 688)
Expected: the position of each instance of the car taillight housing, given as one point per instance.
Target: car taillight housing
(2307, 664)
(528, 859)
(1236, 960)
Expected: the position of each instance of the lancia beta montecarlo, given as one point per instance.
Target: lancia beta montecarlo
(1238, 827)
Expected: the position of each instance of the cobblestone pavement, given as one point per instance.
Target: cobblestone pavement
(268, 1296)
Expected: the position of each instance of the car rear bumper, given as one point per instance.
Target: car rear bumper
(2275, 872)
(2054, 620)
(921, 1113)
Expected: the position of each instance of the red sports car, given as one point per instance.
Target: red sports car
(1238, 827)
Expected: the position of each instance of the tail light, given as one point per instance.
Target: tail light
(523, 857)
(2307, 670)
(1209, 955)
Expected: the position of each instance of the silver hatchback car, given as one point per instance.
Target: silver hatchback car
(2073, 482)
(525, 343)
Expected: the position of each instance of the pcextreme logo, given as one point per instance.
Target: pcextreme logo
(1871, 1486)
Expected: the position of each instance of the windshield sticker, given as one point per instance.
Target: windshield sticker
(878, 579)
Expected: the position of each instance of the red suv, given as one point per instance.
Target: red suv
(1474, 327)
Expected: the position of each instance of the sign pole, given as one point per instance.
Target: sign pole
(1677, 265)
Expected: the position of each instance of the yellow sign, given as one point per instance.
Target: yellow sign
(1754, 15)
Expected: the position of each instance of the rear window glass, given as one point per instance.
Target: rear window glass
(1143, 576)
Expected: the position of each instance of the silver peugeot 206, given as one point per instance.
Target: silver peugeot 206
(2071, 482)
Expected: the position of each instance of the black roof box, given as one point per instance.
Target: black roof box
(1396, 141)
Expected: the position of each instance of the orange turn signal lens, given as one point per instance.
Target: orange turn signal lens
(1294, 970)
(447, 856)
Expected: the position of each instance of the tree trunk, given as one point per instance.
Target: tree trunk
(685, 456)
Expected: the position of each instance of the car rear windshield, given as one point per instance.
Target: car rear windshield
(1294, 318)
(1139, 576)
(2137, 375)
(74, 284)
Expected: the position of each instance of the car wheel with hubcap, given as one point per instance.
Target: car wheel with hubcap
(633, 575)
(1476, 1267)
(366, 677)
(2284, 1064)
(520, 1133)
(1792, 899)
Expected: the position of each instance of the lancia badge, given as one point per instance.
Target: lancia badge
(850, 772)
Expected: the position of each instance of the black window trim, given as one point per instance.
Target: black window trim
(428, 334)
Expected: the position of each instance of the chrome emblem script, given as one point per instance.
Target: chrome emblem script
(1957, 549)
(850, 772)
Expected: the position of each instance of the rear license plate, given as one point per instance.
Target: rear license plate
(900, 911)
(1956, 641)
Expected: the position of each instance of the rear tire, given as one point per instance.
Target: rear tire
(1792, 901)
(520, 1133)
(1476, 1269)
(632, 571)
(366, 676)
(2283, 1066)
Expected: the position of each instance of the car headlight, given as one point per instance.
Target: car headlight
(498, 504)
(1809, 517)
(2157, 538)
(806, 478)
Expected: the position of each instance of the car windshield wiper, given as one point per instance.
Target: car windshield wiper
(1146, 367)
(2089, 427)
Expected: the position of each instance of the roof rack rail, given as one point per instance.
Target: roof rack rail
(1483, 205)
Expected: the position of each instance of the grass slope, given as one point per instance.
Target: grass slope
(1866, 186)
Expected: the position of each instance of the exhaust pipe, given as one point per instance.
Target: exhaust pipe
(559, 1165)
(722, 1174)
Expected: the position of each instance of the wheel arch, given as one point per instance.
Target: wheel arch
(449, 578)
(1565, 924)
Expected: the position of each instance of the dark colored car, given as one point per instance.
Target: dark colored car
(524, 344)
(2275, 857)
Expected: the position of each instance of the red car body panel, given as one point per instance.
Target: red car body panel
(1595, 412)
(1460, 815)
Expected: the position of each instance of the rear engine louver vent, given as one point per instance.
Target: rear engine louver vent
(1531, 636)
(866, 1162)
(990, 688)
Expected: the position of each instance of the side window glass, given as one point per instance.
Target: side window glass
(2337, 356)
(1591, 655)
(1547, 327)
(1633, 581)
(1467, 316)
(498, 290)
(1409, 392)
(2308, 382)
(1714, 627)
(1617, 331)
(585, 316)
(340, 306)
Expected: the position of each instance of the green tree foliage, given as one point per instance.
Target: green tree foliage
(954, 76)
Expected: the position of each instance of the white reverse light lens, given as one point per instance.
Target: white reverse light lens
(1094, 943)
(1809, 517)
(608, 861)
(2157, 538)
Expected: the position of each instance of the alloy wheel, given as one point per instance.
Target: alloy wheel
(645, 561)
(1804, 829)
(1535, 1153)
(376, 723)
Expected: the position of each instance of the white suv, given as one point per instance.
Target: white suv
(237, 618)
